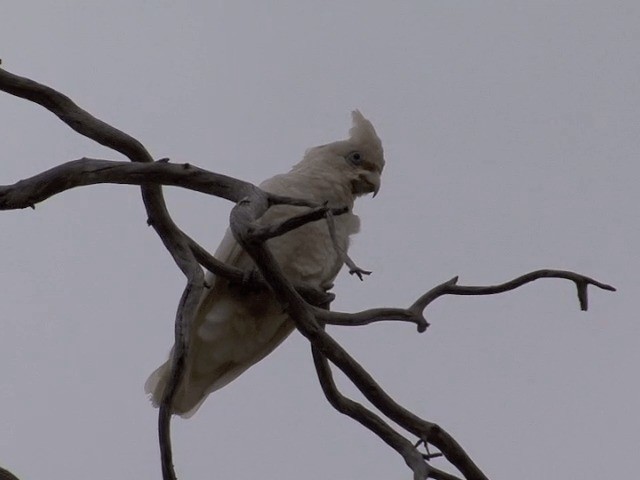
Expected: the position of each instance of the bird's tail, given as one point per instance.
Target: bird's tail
(191, 393)
(156, 383)
(204, 374)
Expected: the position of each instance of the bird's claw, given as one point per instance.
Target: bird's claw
(359, 272)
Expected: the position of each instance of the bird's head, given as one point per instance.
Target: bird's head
(357, 162)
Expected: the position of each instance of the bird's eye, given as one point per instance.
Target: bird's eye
(355, 158)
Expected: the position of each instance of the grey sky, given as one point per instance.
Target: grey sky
(511, 136)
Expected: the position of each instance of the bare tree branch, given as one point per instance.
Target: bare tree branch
(90, 171)
(263, 233)
(301, 313)
(368, 419)
(172, 237)
(452, 288)
(374, 315)
(251, 204)
(87, 171)
(415, 313)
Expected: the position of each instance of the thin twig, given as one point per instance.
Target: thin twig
(265, 232)
(451, 287)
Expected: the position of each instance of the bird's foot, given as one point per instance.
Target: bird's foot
(355, 270)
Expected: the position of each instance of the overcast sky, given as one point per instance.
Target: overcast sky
(511, 134)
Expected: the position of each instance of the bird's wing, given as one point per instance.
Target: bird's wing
(232, 330)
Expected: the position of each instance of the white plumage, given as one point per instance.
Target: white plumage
(233, 329)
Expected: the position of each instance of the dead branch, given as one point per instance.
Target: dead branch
(415, 313)
(251, 204)
(174, 240)
(90, 171)
(263, 233)
(302, 314)
(452, 288)
(427, 432)
(368, 419)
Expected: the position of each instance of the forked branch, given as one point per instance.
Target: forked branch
(251, 204)
(415, 313)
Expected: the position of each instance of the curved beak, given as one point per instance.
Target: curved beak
(372, 181)
(376, 186)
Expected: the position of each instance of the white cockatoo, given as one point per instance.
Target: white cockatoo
(234, 329)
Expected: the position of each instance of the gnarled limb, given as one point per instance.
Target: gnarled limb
(92, 171)
(251, 203)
